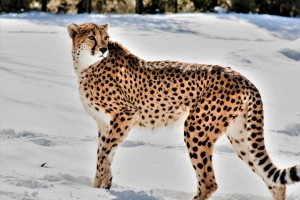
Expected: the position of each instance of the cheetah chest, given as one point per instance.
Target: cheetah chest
(96, 112)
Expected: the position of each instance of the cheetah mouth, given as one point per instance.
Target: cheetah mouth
(105, 55)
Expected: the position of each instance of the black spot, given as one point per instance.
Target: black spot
(206, 118)
(209, 144)
(206, 128)
(261, 148)
(195, 140)
(271, 172)
(203, 154)
(195, 156)
(258, 155)
(188, 145)
(254, 145)
(209, 169)
(250, 163)
(217, 131)
(191, 128)
(276, 175)
(267, 167)
(113, 140)
(115, 125)
(187, 134)
(195, 149)
(200, 165)
(122, 119)
(201, 133)
(282, 177)
(118, 130)
(262, 161)
(253, 135)
(293, 174)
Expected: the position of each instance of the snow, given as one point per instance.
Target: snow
(292, 54)
(43, 121)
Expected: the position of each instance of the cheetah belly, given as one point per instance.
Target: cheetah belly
(98, 115)
(165, 119)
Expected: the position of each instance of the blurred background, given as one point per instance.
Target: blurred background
(287, 8)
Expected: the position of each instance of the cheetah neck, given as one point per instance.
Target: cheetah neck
(83, 62)
(79, 68)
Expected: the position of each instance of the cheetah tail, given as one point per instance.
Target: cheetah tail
(259, 155)
(285, 176)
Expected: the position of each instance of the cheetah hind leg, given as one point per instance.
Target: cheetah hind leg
(277, 192)
(200, 147)
(248, 143)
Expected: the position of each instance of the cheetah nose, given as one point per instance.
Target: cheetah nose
(103, 50)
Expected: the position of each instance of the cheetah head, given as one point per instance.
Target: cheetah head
(89, 43)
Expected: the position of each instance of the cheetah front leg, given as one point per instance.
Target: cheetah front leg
(103, 129)
(120, 125)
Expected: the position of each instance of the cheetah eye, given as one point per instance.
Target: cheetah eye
(91, 37)
(106, 38)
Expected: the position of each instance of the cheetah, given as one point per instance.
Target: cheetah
(120, 90)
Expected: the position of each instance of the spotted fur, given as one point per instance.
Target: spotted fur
(120, 90)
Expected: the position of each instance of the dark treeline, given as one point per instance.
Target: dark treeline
(288, 8)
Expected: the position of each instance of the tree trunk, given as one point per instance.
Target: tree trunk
(3, 6)
(80, 6)
(89, 6)
(176, 6)
(100, 7)
(139, 6)
(84, 6)
(44, 5)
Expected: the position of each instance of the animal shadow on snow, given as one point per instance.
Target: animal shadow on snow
(131, 195)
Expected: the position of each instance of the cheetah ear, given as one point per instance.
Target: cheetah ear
(73, 30)
(105, 26)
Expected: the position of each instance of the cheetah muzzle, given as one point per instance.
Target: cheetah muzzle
(121, 91)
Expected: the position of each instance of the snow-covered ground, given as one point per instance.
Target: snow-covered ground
(42, 119)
